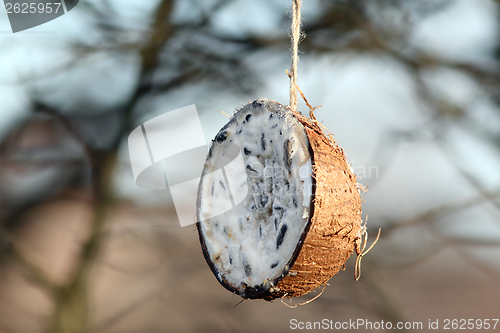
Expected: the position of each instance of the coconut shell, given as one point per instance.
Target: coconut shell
(334, 229)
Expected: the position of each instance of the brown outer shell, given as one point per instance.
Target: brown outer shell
(335, 225)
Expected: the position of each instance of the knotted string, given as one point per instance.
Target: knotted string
(296, 23)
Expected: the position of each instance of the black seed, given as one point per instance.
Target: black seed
(221, 137)
(281, 132)
(281, 235)
(248, 270)
(257, 103)
(274, 126)
(248, 116)
(263, 142)
(213, 187)
(249, 168)
(246, 151)
(222, 184)
(287, 146)
(276, 223)
(272, 115)
(224, 230)
(274, 265)
(295, 202)
(239, 131)
(260, 231)
(230, 259)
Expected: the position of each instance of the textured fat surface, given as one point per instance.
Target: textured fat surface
(252, 244)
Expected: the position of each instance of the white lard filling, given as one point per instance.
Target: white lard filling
(253, 242)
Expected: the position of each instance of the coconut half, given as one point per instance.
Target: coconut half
(301, 219)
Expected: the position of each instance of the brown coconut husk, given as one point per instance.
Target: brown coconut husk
(335, 227)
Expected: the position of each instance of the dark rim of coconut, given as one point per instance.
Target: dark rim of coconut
(263, 291)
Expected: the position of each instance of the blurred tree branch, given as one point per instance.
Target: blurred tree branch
(434, 213)
(71, 311)
(31, 270)
(175, 54)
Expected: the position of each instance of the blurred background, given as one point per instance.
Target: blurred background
(409, 88)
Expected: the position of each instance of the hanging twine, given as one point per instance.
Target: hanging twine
(296, 22)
